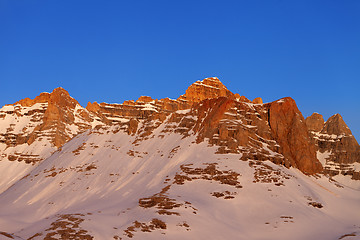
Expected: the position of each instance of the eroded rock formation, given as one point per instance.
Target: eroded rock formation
(336, 146)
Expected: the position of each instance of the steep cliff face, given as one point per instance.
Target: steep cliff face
(337, 147)
(238, 128)
(275, 131)
(290, 131)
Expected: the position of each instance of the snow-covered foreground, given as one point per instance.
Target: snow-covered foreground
(103, 184)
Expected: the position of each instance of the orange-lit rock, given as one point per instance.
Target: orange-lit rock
(273, 131)
(290, 131)
(206, 89)
(315, 122)
(27, 102)
(336, 125)
(145, 99)
(93, 107)
(258, 100)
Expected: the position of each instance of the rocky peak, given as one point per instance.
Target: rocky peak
(336, 125)
(258, 100)
(93, 107)
(27, 102)
(58, 96)
(60, 113)
(315, 122)
(206, 89)
(43, 123)
(336, 147)
(60, 106)
(145, 99)
(62, 98)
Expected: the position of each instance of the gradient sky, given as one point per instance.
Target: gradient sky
(111, 51)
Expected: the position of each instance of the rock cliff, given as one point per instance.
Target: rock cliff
(315, 122)
(290, 131)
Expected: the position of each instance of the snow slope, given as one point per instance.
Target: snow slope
(18, 125)
(105, 185)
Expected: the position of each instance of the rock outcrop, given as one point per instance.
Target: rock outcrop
(43, 124)
(258, 100)
(337, 147)
(59, 114)
(237, 127)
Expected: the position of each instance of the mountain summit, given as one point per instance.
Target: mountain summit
(208, 165)
(206, 89)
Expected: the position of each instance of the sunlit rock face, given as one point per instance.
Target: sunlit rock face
(315, 122)
(205, 89)
(290, 131)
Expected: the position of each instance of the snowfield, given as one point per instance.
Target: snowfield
(106, 184)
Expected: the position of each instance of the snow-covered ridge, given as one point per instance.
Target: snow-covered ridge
(155, 169)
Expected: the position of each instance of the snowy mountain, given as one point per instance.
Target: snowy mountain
(208, 165)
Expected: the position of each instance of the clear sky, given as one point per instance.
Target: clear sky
(111, 51)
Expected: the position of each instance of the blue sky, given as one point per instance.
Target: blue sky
(111, 51)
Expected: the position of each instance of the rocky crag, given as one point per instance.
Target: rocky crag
(32, 128)
(336, 146)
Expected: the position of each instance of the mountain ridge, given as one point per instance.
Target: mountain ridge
(179, 168)
(59, 102)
